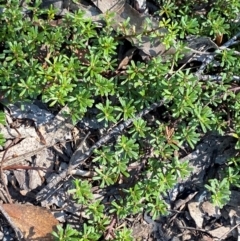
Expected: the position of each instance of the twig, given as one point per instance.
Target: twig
(16, 140)
(225, 234)
(206, 62)
(210, 58)
(18, 159)
(78, 157)
(222, 48)
(15, 167)
(232, 41)
(191, 228)
(110, 228)
(197, 229)
(217, 77)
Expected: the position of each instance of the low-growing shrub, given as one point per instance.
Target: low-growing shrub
(74, 63)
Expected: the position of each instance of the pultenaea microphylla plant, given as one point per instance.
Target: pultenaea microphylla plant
(2, 121)
(41, 60)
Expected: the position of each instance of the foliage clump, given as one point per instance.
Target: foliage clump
(74, 63)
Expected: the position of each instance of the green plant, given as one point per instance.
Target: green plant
(74, 64)
(124, 235)
(68, 233)
(82, 191)
(2, 121)
(220, 191)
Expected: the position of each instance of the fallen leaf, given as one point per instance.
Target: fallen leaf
(196, 213)
(209, 209)
(221, 232)
(137, 24)
(128, 56)
(218, 39)
(36, 223)
(206, 238)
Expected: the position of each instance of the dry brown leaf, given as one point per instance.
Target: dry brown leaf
(196, 213)
(206, 238)
(218, 39)
(137, 24)
(36, 223)
(128, 56)
(209, 209)
(221, 232)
